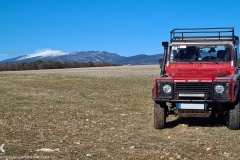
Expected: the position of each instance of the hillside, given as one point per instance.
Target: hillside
(86, 56)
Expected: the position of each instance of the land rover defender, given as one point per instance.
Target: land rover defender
(199, 76)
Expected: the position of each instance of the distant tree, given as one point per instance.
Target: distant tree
(50, 65)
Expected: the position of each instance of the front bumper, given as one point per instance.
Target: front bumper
(193, 92)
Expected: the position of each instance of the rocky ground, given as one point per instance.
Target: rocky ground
(100, 113)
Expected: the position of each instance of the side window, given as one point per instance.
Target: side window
(173, 52)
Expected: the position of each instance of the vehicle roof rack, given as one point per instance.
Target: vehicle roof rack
(204, 34)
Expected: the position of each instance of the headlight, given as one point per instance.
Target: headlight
(164, 89)
(219, 89)
(167, 88)
(222, 90)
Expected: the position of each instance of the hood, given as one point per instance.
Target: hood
(207, 72)
(199, 74)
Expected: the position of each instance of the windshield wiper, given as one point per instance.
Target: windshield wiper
(210, 60)
(184, 60)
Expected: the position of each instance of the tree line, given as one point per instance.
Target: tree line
(36, 65)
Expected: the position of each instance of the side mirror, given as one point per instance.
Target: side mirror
(160, 62)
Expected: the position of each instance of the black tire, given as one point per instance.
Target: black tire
(233, 119)
(159, 116)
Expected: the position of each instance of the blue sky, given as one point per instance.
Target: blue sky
(125, 27)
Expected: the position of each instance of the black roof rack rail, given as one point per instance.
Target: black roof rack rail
(203, 34)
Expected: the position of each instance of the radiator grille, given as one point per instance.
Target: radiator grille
(194, 88)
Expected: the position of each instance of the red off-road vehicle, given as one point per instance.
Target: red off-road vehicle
(199, 76)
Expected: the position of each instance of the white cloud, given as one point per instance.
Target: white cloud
(44, 53)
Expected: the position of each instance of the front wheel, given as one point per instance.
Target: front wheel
(159, 116)
(233, 119)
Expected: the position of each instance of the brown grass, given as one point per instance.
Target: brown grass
(99, 113)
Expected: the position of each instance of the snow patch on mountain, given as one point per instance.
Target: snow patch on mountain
(44, 53)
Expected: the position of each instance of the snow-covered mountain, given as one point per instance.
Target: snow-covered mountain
(43, 53)
(84, 56)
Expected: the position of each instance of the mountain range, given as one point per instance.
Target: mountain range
(86, 56)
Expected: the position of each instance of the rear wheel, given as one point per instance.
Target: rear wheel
(159, 116)
(233, 119)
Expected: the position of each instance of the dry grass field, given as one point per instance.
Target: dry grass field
(100, 113)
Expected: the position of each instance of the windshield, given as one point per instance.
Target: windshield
(205, 53)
